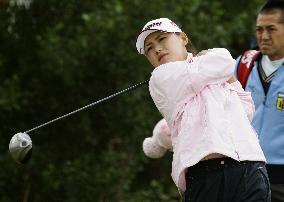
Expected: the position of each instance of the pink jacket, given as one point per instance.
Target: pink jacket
(204, 112)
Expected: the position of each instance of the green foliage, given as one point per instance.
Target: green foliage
(56, 56)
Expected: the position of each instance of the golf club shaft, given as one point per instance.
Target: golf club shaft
(90, 105)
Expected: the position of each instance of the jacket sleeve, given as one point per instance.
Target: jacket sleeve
(245, 98)
(216, 66)
(157, 94)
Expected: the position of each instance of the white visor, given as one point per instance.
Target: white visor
(160, 24)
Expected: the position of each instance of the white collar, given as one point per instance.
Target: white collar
(270, 66)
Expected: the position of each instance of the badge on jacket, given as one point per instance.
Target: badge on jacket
(280, 101)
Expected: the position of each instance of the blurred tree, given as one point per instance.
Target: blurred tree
(56, 56)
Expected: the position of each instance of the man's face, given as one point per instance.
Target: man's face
(161, 47)
(270, 34)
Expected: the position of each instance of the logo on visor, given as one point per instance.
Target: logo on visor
(155, 24)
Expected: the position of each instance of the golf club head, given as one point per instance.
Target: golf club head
(20, 147)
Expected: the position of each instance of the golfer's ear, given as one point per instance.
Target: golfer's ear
(184, 38)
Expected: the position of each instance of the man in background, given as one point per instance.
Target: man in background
(265, 81)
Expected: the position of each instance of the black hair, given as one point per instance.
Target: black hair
(271, 6)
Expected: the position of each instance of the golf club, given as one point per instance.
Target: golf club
(20, 145)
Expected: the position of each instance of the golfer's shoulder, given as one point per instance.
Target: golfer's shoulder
(170, 67)
(170, 71)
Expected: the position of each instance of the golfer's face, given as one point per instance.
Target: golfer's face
(161, 47)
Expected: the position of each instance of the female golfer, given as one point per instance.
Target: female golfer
(216, 153)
